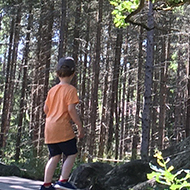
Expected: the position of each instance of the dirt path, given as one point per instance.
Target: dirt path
(12, 182)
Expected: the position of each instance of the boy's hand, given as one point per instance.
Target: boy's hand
(80, 133)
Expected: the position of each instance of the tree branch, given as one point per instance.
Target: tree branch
(140, 24)
(139, 8)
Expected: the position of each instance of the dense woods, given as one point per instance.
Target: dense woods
(133, 82)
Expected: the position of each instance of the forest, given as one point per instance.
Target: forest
(133, 81)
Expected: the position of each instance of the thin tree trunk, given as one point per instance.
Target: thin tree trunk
(24, 85)
(102, 139)
(42, 78)
(187, 128)
(94, 100)
(62, 36)
(162, 97)
(11, 69)
(116, 82)
(82, 143)
(5, 110)
(148, 85)
(178, 104)
(122, 132)
(163, 91)
(114, 98)
(76, 37)
(136, 137)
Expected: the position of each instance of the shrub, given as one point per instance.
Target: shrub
(164, 175)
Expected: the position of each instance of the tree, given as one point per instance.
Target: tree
(138, 99)
(148, 85)
(124, 12)
(10, 71)
(63, 30)
(24, 85)
(41, 74)
(187, 129)
(96, 65)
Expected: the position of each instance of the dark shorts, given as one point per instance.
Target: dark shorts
(67, 148)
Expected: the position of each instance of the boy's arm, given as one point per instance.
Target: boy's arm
(74, 116)
(46, 109)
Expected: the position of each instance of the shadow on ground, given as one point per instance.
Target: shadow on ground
(13, 183)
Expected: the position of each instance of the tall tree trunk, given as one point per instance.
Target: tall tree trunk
(122, 131)
(62, 31)
(162, 96)
(5, 110)
(178, 123)
(116, 82)
(103, 124)
(82, 144)
(187, 128)
(136, 137)
(148, 85)
(42, 73)
(11, 69)
(114, 97)
(163, 91)
(94, 98)
(24, 86)
(76, 37)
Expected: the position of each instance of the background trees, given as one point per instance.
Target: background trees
(110, 76)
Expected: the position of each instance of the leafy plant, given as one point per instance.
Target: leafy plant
(121, 8)
(164, 175)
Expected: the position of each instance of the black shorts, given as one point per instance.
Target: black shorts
(67, 148)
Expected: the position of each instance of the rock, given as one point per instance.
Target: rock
(146, 185)
(101, 176)
(87, 175)
(10, 170)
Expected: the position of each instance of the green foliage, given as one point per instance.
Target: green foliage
(121, 8)
(165, 176)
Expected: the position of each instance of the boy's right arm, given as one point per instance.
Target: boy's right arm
(74, 116)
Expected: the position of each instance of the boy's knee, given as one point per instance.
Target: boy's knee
(74, 155)
(56, 157)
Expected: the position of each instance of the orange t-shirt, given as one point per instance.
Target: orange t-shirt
(58, 126)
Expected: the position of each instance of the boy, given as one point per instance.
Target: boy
(59, 135)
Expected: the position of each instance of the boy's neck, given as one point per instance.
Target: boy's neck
(65, 80)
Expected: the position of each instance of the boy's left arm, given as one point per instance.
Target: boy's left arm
(74, 116)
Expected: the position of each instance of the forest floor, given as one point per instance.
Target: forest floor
(12, 182)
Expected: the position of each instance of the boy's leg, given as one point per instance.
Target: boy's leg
(67, 167)
(50, 168)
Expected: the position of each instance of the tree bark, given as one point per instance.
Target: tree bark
(10, 75)
(62, 31)
(96, 65)
(116, 83)
(136, 137)
(148, 86)
(103, 124)
(187, 128)
(5, 110)
(76, 38)
(41, 74)
(24, 86)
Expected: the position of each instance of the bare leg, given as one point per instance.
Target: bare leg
(50, 168)
(67, 167)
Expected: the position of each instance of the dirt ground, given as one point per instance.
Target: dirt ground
(12, 182)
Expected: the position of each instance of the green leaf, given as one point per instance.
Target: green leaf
(170, 168)
(114, 3)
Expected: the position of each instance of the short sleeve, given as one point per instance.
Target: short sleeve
(72, 97)
(47, 100)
